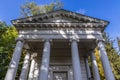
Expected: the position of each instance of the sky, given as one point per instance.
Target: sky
(104, 9)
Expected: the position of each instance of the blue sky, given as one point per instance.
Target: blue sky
(103, 9)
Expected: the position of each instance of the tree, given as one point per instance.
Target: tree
(2, 28)
(31, 8)
(113, 56)
(7, 44)
(118, 41)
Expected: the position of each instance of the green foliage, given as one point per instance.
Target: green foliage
(118, 41)
(2, 28)
(101, 71)
(113, 56)
(31, 8)
(2, 24)
(57, 5)
(7, 44)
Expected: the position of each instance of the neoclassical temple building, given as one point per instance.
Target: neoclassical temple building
(58, 45)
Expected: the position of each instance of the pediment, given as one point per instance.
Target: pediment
(59, 19)
(59, 16)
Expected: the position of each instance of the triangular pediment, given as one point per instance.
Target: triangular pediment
(59, 19)
(59, 16)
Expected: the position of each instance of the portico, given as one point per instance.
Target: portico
(58, 45)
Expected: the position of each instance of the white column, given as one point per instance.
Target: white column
(87, 68)
(12, 69)
(36, 70)
(94, 67)
(44, 69)
(76, 61)
(25, 68)
(30, 77)
(105, 62)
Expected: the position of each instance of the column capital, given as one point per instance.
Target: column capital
(77, 40)
(26, 46)
(33, 55)
(20, 39)
(100, 40)
(49, 40)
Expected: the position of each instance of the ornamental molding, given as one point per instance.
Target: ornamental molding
(59, 19)
(59, 13)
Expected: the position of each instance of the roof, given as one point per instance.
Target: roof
(46, 19)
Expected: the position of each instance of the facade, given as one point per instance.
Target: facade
(58, 45)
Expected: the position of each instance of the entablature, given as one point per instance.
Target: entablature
(60, 31)
(22, 26)
(60, 36)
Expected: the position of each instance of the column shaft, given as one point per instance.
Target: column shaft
(30, 77)
(12, 69)
(24, 72)
(87, 68)
(95, 67)
(105, 62)
(36, 71)
(44, 69)
(76, 61)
